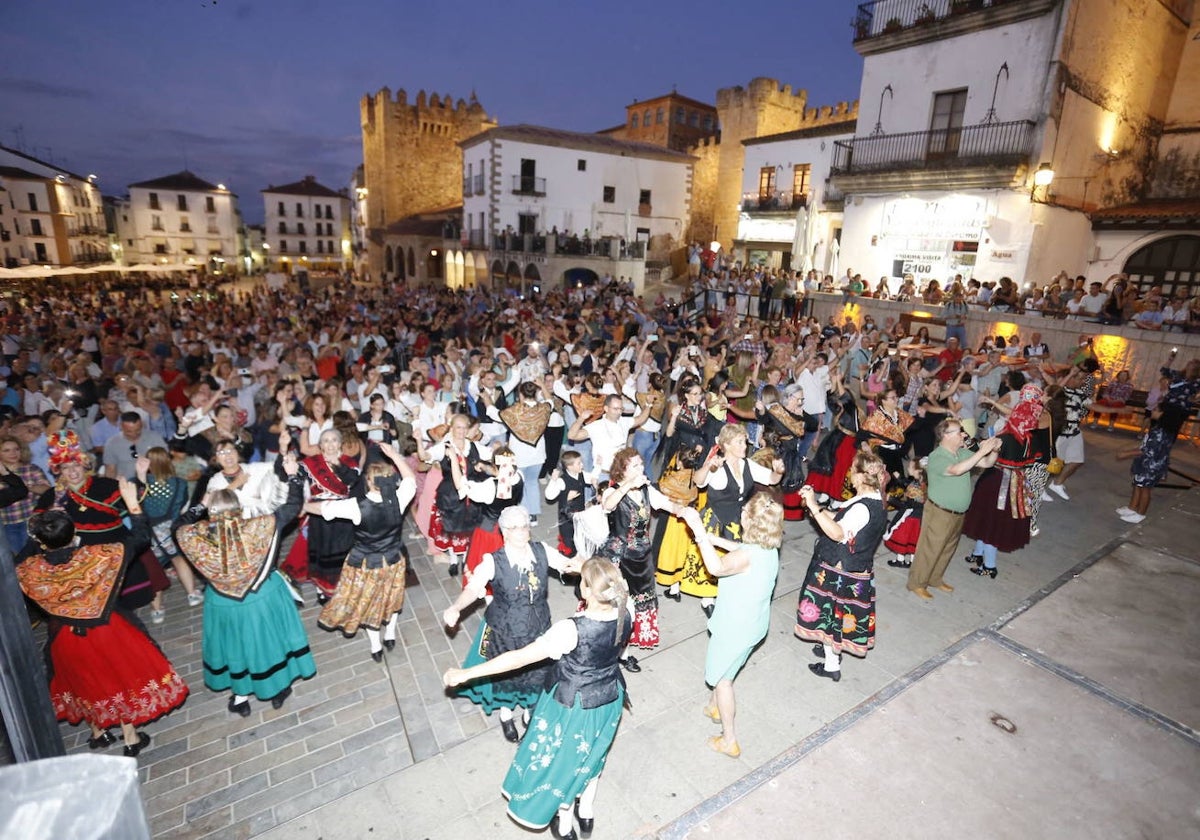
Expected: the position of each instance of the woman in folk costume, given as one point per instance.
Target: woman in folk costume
(104, 668)
(95, 505)
(254, 642)
(829, 469)
(557, 766)
(527, 420)
(883, 431)
(500, 488)
(782, 419)
(370, 593)
(514, 574)
(328, 478)
(673, 543)
(998, 518)
(453, 517)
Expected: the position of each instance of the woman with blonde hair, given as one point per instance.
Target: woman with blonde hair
(550, 774)
(743, 612)
(837, 602)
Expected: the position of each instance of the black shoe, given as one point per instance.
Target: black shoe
(977, 559)
(631, 665)
(453, 570)
(586, 824)
(509, 728)
(818, 650)
(102, 741)
(131, 750)
(322, 599)
(279, 699)
(674, 596)
(377, 655)
(899, 564)
(533, 520)
(390, 644)
(708, 609)
(818, 668)
(983, 571)
(570, 835)
(242, 708)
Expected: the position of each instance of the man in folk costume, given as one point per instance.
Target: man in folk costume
(254, 641)
(104, 669)
(97, 509)
(527, 421)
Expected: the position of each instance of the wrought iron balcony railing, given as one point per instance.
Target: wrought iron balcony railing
(995, 144)
(883, 17)
(478, 185)
(773, 202)
(528, 185)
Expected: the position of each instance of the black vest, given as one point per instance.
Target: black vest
(859, 554)
(591, 670)
(567, 507)
(519, 611)
(727, 503)
(377, 539)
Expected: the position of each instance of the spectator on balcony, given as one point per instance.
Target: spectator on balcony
(933, 293)
(881, 288)
(1151, 316)
(1076, 307)
(1121, 299)
(1004, 297)
(954, 312)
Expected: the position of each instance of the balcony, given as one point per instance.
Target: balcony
(528, 185)
(607, 248)
(478, 185)
(466, 186)
(777, 201)
(883, 25)
(475, 239)
(977, 156)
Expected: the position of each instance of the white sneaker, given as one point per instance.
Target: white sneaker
(1060, 490)
(1134, 518)
(1046, 497)
(1125, 511)
(157, 616)
(1033, 532)
(195, 599)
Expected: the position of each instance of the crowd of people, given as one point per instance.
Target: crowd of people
(146, 435)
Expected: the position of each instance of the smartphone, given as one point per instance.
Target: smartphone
(716, 450)
(653, 337)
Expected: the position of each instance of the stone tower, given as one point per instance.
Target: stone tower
(411, 159)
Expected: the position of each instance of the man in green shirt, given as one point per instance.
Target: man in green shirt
(948, 474)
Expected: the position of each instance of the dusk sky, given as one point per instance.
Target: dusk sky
(254, 92)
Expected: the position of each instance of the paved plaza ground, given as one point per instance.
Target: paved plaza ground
(1055, 701)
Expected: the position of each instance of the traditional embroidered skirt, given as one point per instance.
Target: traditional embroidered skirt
(443, 540)
(329, 542)
(992, 520)
(114, 674)
(365, 597)
(902, 535)
(257, 645)
(830, 467)
(562, 751)
(681, 550)
(516, 688)
(837, 608)
(645, 621)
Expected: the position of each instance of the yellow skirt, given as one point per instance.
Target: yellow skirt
(679, 558)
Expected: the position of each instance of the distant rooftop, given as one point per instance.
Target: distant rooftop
(576, 140)
(185, 180)
(305, 186)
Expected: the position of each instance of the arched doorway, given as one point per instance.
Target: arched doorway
(533, 279)
(1173, 263)
(412, 263)
(512, 275)
(401, 274)
(497, 272)
(434, 265)
(458, 280)
(579, 277)
(388, 264)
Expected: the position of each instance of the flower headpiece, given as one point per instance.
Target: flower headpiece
(64, 449)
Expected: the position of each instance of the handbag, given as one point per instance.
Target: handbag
(591, 529)
(1055, 465)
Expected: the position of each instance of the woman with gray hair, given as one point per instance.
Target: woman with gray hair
(516, 615)
(254, 641)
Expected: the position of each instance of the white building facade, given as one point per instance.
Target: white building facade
(49, 216)
(546, 197)
(307, 227)
(181, 219)
(999, 127)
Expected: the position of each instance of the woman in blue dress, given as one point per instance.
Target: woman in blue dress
(558, 764)
(742, 614)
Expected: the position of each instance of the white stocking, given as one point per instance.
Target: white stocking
(389, 632)
(239, 699)
(373, 638)
(832, 661)
(506, 713)
(587, 799)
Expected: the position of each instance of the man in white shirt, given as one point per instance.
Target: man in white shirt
(532, 367)
(1093, 301)
(609, 434)
(813, 382)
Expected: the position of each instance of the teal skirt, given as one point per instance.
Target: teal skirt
(517, 688)
(562, 751)
(257, 645)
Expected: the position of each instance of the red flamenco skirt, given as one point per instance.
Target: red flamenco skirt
(113, 674)
(442, 539)
(295, 565)
(483, 541)
(834, 483)
(902, 535)
(793, 507)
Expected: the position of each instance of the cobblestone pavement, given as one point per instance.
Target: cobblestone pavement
(366, 749)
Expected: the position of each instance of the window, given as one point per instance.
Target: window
(581, 165)
(156, 223)
(283, 227)
(320, 246)
(303, 247)
(693, 119)
(708, 122)
(766, 182)
(644, 197)
(658, 117)
(36, 227)
(154, 205)
(39, 252)
(945, 126)
(184, 225)
(1173, 263)
(210, 204)
(160, 248)
(283, 246)
(328, 211)
(680, 116)
(181, 203)
(299, 210)
(527, 223)
(633, 121)
(329, 247)
(646, 117)
(300, 229)
(282, 209)
(610, 195)
(801, 174)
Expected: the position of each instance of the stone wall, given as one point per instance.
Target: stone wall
(1141, 352)
(411, 159)
(704, 190)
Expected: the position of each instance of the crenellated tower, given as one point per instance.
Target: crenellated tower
(411, 159)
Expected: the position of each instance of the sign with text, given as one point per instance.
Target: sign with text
(958, 217)
(917, 263)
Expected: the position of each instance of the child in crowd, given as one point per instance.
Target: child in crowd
(1113, 397)
(570, 483)
(905, 529)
